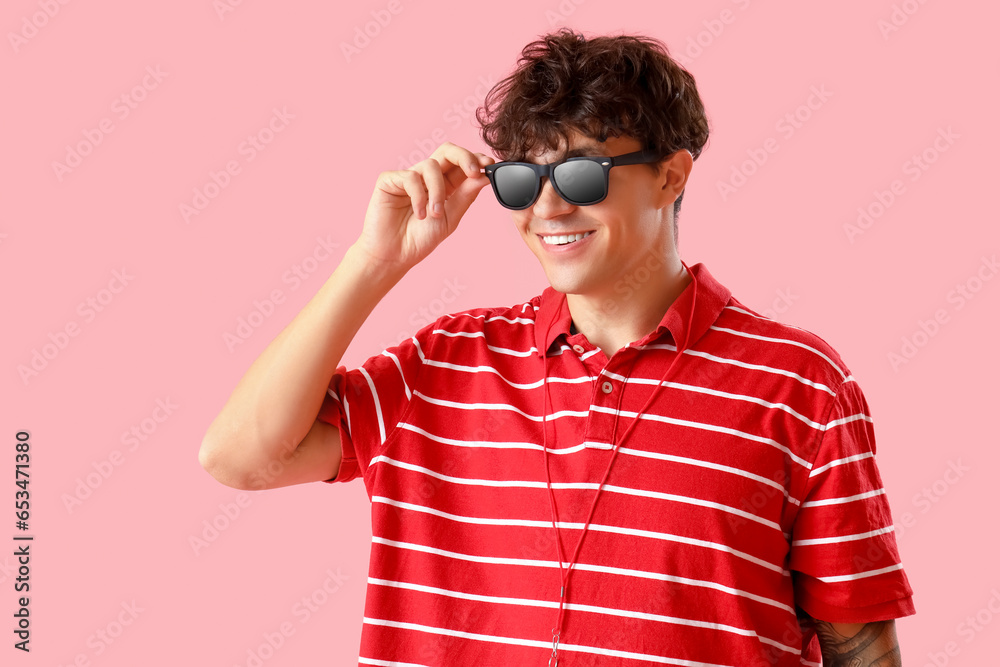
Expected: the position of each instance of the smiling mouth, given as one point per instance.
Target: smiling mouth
(565, 239)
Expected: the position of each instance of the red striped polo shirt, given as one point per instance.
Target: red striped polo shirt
(748, 488)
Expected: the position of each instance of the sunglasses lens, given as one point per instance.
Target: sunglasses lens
(582, 181)
(515, 184)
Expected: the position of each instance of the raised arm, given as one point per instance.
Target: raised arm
(268, 435)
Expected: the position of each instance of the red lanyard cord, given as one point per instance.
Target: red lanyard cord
(564, 576)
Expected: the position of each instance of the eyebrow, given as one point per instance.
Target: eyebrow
(589, 150)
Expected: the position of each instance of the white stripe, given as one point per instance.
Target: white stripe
(621, 571)
(387, 663)
(516, 320)
(785, 341)
(843, 538)
(587, 444)
(849, 459)
(577, 485)
(462, 334)
(706, 427)
(333, 395)
(624, 413)
(499, 406)
(767, 369)
(705, 355)
(488, 443)
(481, 334)
(378, 406)
(845, 420)
(609, 611)
(845, 499)
(716, 392)
(567, 648)
(347, 413)
(396, 361)
(707, 464)
(768, 319)
(531, 523)
(861, 575)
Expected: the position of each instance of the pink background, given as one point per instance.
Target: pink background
(779, 241)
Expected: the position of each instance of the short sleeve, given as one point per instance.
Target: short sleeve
(366, 403)
(845, 563)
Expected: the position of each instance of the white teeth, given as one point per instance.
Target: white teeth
(563, 239)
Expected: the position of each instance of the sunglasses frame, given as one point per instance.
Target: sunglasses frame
(644, 156)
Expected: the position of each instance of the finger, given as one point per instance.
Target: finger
(450, 156)
(476, 174)
(430, 171)
(413, 184)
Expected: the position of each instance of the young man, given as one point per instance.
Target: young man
(632, 467)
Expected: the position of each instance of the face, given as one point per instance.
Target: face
(631, 227)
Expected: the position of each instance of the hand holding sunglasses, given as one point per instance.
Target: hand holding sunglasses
(581, 181)
(401, 225)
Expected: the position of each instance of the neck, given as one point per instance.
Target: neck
(613, 320)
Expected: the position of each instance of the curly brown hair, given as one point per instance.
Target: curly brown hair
(607, 85)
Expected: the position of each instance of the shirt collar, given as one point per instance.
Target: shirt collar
(553, 317)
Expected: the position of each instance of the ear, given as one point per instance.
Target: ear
(674, 172)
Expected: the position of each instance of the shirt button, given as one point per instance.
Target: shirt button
(578, 349)
(607, 388)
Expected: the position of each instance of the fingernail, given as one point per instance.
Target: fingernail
(437, 208)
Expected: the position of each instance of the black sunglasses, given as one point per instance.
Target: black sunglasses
(581, 181)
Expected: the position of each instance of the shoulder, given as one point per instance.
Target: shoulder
(778, 346)
(508, 323)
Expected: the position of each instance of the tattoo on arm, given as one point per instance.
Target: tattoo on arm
(874, 645)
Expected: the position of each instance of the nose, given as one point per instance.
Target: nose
(549, 204)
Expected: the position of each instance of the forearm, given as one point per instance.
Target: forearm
(276, 402)
(858, 645)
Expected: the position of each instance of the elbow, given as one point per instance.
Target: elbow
(213, 461)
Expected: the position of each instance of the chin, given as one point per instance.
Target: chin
(567, 284)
